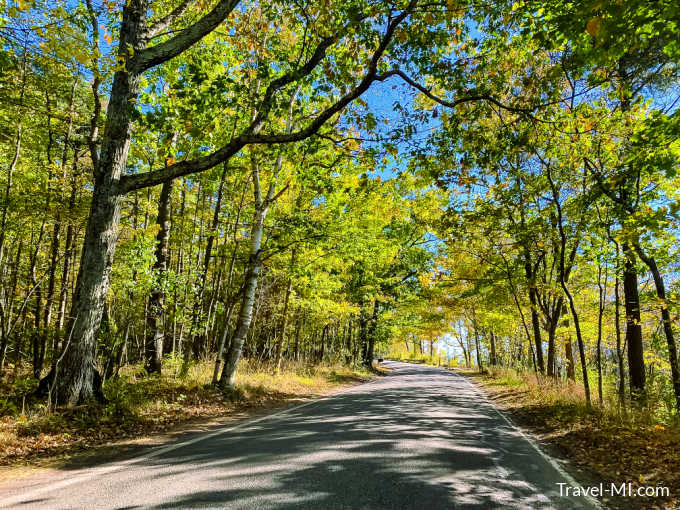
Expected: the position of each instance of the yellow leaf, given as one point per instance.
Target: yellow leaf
(593, 26)
(82, 58)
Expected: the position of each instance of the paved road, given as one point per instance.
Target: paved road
(420, 438)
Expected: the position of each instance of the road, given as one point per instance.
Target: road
(419, 438)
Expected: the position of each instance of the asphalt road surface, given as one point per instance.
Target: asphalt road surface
(419, 438)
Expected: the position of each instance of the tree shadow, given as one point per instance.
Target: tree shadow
(417, 438)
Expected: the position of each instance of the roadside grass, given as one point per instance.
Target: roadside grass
(609, 443)
(140, 405)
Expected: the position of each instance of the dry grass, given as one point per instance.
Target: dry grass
(604, 442)
(139, 405)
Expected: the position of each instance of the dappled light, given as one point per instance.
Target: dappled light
(419, 438)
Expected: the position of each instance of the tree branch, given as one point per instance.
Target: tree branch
(164, 23)
(251, 135)
(471, 95)
(162, 52)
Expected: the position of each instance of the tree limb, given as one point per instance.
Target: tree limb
(164, 51)
(251, 134)
(164, 23)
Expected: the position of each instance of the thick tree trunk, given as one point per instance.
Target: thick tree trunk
(480, 365)
(155, 331)
(74, 379)
(492, 339)
(551, 350)
(553, 319)
(536, 325)
(324, 336)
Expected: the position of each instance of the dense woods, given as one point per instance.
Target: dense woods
(326, 182)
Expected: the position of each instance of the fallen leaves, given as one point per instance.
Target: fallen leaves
(609, 448)
(152, 405)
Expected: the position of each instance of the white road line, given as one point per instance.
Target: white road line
(570, 479)
(95, 472)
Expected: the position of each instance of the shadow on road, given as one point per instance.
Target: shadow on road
(419, 438)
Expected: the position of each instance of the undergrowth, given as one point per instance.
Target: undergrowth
(139, 404)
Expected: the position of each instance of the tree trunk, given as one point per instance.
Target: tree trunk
(227, 379)
(76, 380)
(619, 350)
(636, 362)
(650, 262)
(231, 299)
(324, 336)
(568, 350)
(480, 365)
(492, 339)
(600, 312)
(553, 319)
(535, 322)
(363, 333)
(563, 283)
(284, 319)
(155, 330)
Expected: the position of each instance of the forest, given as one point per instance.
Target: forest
(224, 184)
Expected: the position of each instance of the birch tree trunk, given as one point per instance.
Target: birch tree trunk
(254, 266)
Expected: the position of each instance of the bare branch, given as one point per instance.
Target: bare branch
(470, 96)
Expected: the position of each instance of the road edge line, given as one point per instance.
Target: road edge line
(569, 478)
(160, 450)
